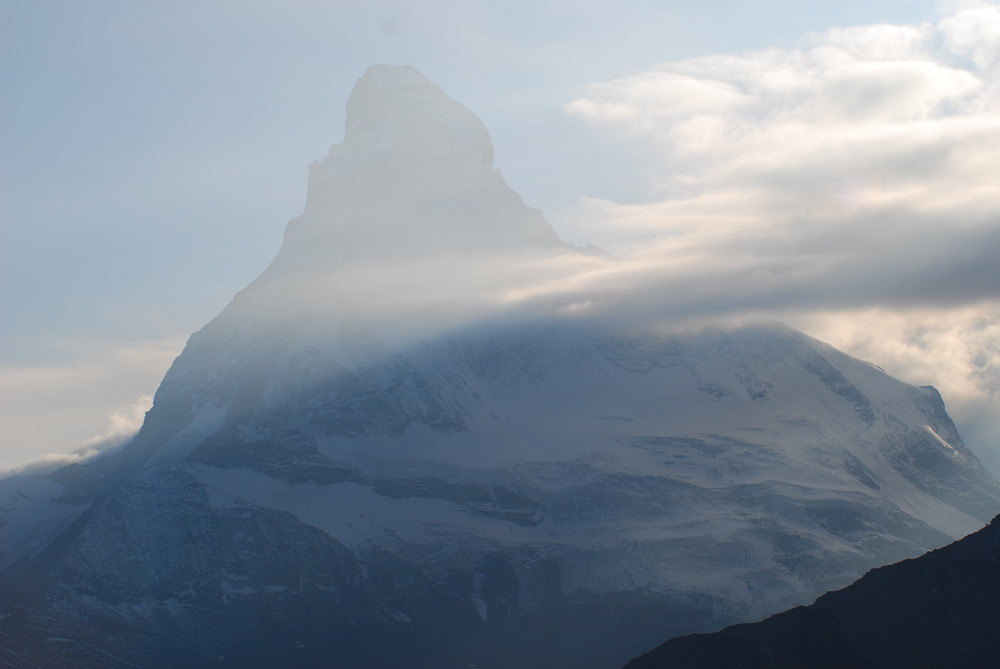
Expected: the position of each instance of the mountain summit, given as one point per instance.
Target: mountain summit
(369, 459)
(394, 111)
(413, 178)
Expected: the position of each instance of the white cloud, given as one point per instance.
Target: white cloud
(869, 149)
(956, 350)
(847, 186)
(974, 31)
(123, 422)
(91, 400)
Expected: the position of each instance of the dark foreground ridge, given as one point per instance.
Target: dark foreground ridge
(938, 610)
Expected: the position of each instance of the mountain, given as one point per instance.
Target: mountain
(941, 609)
(393, 449)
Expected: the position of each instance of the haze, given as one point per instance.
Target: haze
(830, 168)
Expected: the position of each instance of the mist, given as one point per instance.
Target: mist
(838, 180)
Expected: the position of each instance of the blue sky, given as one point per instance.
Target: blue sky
(152, 153)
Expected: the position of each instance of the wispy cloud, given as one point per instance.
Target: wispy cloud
(123, 423)
(91, 400)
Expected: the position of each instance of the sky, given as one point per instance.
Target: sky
(830, 165)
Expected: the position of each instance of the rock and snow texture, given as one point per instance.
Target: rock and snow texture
(330, 474)
(32, 514)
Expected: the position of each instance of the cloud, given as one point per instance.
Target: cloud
(860, 123)
(973, 30)
(123, 423)
(90, 400)
(853, 175)
(846, 186)
(957, 350)
(854, 171)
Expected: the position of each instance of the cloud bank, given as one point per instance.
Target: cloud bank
(847, 186)
(72, 409)
(865, 159)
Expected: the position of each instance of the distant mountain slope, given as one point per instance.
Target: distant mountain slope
(377, 456)
(941, 609)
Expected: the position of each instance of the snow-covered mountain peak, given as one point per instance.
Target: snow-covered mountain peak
(393, 110)
(373, 458)
(412, 179)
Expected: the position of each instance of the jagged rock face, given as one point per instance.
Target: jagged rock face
(414, 176)
(311, 487)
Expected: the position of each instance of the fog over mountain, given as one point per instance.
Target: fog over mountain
(432, 434)
(824, 165)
